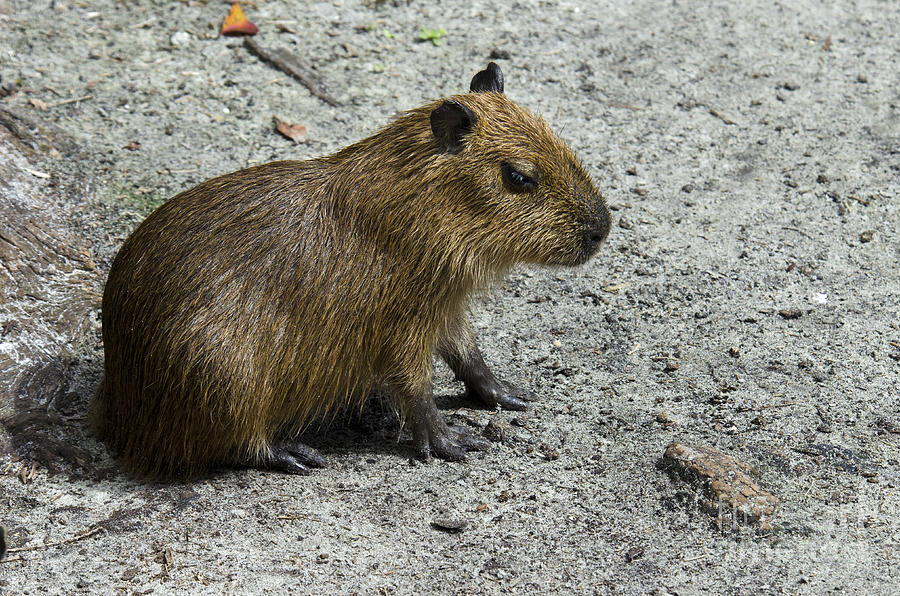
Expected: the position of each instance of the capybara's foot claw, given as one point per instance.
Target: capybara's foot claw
(508, 397)
(292, 457)
(433, 438)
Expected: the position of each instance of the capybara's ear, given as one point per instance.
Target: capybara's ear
(489, 79)
(450, 122)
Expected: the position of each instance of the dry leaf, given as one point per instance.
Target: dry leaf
(295, 132)
(37, 103)
(236, 23)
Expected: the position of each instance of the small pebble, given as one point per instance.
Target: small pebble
(494, 432)
(452, 526)
(180, 38)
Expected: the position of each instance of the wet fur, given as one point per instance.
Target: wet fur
(248, 306)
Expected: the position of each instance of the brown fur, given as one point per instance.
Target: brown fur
(255, 302)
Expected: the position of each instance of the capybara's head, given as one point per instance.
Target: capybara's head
(528, 184)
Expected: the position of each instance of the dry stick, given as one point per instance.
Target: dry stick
(75, 538)
(292, 65)
(623, 106)
(784, 405)
(56, 104)
(798, 230)
(722, 117)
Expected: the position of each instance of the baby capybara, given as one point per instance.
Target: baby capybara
(246, 307)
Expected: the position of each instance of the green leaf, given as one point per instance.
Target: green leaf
(432, 35)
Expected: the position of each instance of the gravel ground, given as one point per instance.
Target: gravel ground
(747, 299)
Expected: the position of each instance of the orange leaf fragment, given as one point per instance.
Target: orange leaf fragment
(236, 23)
(295, 132)
(38, 103)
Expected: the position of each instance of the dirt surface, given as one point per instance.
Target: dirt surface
(747, 300)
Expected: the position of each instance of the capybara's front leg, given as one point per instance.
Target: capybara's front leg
(460, 351)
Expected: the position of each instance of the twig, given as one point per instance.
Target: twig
(798, 230)
(785, 405)
(56, 104)
(615, 288)
(806, 451)
(143, 24)
(292, 65)
(75, 538)
(722, 117)
(624, 106)
(37, 174)
(298, 516)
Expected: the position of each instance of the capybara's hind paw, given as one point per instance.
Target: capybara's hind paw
(292, 457)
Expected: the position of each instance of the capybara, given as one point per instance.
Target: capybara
(254, 303)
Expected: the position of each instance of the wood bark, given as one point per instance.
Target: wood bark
(49, 285)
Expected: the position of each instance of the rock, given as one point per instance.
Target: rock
(495, 431)
(724, 484)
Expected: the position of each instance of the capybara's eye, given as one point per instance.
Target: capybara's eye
(516, 180)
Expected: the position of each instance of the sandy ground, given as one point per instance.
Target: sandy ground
(747, 299)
